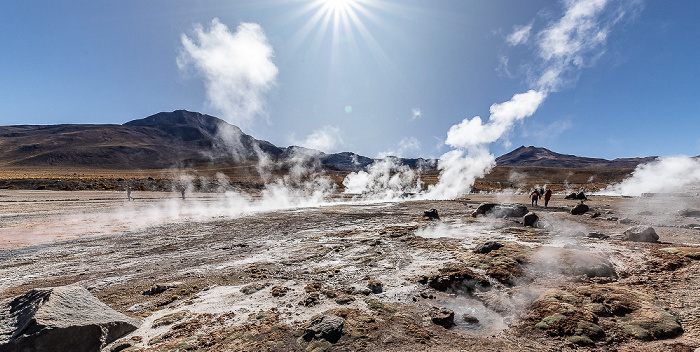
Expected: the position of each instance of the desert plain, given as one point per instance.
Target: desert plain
(212, 273)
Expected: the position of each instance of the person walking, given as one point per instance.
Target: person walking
(547, 197)
(128, 193)
(534, 196)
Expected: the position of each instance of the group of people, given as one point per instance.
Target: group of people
(538, 194)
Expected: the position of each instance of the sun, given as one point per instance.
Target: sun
(338, 5)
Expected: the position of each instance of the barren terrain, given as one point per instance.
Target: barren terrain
(202, 277)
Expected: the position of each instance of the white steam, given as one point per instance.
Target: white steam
(665, 175)
(565, 46)
(237, 68)
(326, 139)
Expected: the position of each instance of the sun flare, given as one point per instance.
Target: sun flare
(338, 5)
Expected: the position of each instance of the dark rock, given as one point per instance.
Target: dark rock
(344, 299)
(595, 215)
(156, 289)
(487, 247)
(597, 235)
(311, 300)
(431, 214)
(456, 279)
(327, 327)
(470, 319)
(426, 294)
(577, 196)
(500, 210)
(375, 286)
(443, 317)
(530, 219)
(640, 233)
(279, 291)
(66, 318)
(579, 209)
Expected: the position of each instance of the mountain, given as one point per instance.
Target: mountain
(162, 140)
(190, 139)
(534, 156)
(167, 139)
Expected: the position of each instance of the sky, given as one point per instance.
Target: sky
(376, 77)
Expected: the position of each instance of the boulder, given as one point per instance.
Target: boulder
(577, 196)
(500, 210)
(431, 214)
(375, 286)
(530, 219)
(597, 235)
(580, 209)
(640, 233)
(66, 318)
(455, 279)
(572, 262)
(327, 327)
(468, 318)
(443, 317)
(156, 289)
(487, 247)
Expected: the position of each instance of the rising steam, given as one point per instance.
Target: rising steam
(237, 68)
(665, 175)
(563, 47)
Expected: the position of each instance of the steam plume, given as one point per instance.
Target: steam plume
(237, 68)
(565, 46)
(665, 175)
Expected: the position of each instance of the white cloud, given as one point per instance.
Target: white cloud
(326, 139)
(237, 68)
(572, 41)
(415, 113)
(519, 35)
(409, 144)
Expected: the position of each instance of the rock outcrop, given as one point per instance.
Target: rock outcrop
(66, 318)
(327, 327)
(500, 210)
(530, 219)
(580, 209)
(640, 233)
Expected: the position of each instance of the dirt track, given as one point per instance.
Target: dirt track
(203, 258)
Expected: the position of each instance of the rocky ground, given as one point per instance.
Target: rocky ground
(373, 276)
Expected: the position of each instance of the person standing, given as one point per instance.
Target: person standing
(547, 197)
(534, 196)
(128, 193)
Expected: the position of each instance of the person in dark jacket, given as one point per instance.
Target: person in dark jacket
(547, 197)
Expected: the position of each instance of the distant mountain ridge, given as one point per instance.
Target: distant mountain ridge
(535, 156)
(167, 139)
(190, 139)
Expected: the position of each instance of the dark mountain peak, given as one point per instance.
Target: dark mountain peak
(180, 118)
(537, 156)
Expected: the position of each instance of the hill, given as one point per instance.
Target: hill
(177, 139)
(542, 157)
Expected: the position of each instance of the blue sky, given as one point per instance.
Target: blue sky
(393, 79)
